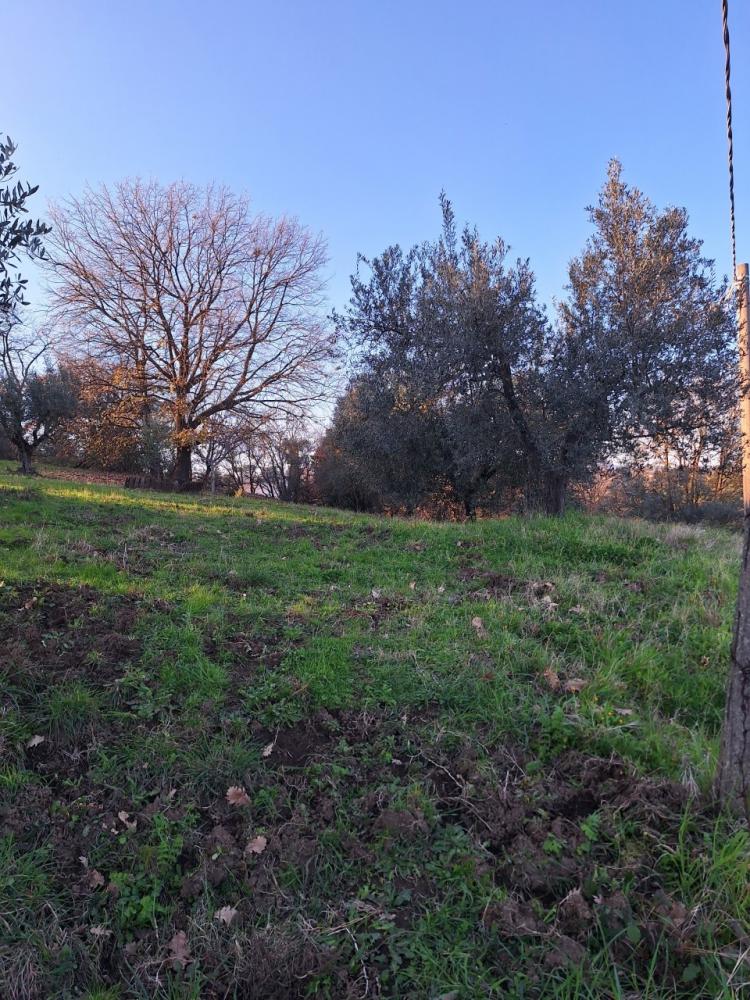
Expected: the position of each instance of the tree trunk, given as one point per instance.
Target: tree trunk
(25, 458)
(154, 460)
(470, 507)
(547, 493)
(556, 490)
(183, 469)
(148, 435)
(733, 775)
(546, 488)
(670, 498)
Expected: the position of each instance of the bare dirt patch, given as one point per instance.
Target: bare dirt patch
(377, 608)
(48, 629)
(486, 585)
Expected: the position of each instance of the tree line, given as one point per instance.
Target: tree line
(465, 386)
(185, 339)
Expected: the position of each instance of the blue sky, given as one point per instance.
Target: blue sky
(353, 115)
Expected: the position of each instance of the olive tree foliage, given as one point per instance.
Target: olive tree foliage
(382, 449)
(454, 329)
(647, 315)
(34, 400)
(346, 474)
(18, 235)
(691, 476)
(34, 397)
(212, 308)
(642, 348)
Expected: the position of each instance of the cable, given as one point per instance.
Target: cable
(730, 140)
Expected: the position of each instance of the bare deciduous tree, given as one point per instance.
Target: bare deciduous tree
(211, 307)
(280, 454)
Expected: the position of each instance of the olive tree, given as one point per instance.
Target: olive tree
(642, 347)
(35, 397)
(646, 331)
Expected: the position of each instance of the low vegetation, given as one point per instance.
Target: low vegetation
(259, 750)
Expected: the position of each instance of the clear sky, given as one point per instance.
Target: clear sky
(353, 115)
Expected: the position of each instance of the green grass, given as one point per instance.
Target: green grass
(480, 754)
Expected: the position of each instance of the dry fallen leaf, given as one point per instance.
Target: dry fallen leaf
(35, 741)
(575, 684)
(268, 749)
(257, 845)
(413, 585)
(237, 796)
(376, 593)
(624, 711)
(179, 950)
(552, 678)
(95, 878)
(441, 588)
(578, 609)
(478, 625)
(226, 914)
(98, 931)
(125, 819)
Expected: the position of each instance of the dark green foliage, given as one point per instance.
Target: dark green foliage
(17, 234)
(392, 443)
(440, 326)
(33, 403)
(646, 324)
(468, 388)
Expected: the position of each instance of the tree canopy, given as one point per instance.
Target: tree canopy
(211, 308)
(461, 366)
(19, 235)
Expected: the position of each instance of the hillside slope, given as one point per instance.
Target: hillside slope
(262, 750)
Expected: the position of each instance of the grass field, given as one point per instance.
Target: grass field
(258, 750)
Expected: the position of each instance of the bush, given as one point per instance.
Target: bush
(718, 512)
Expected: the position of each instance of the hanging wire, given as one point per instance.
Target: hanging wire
(730, 140)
